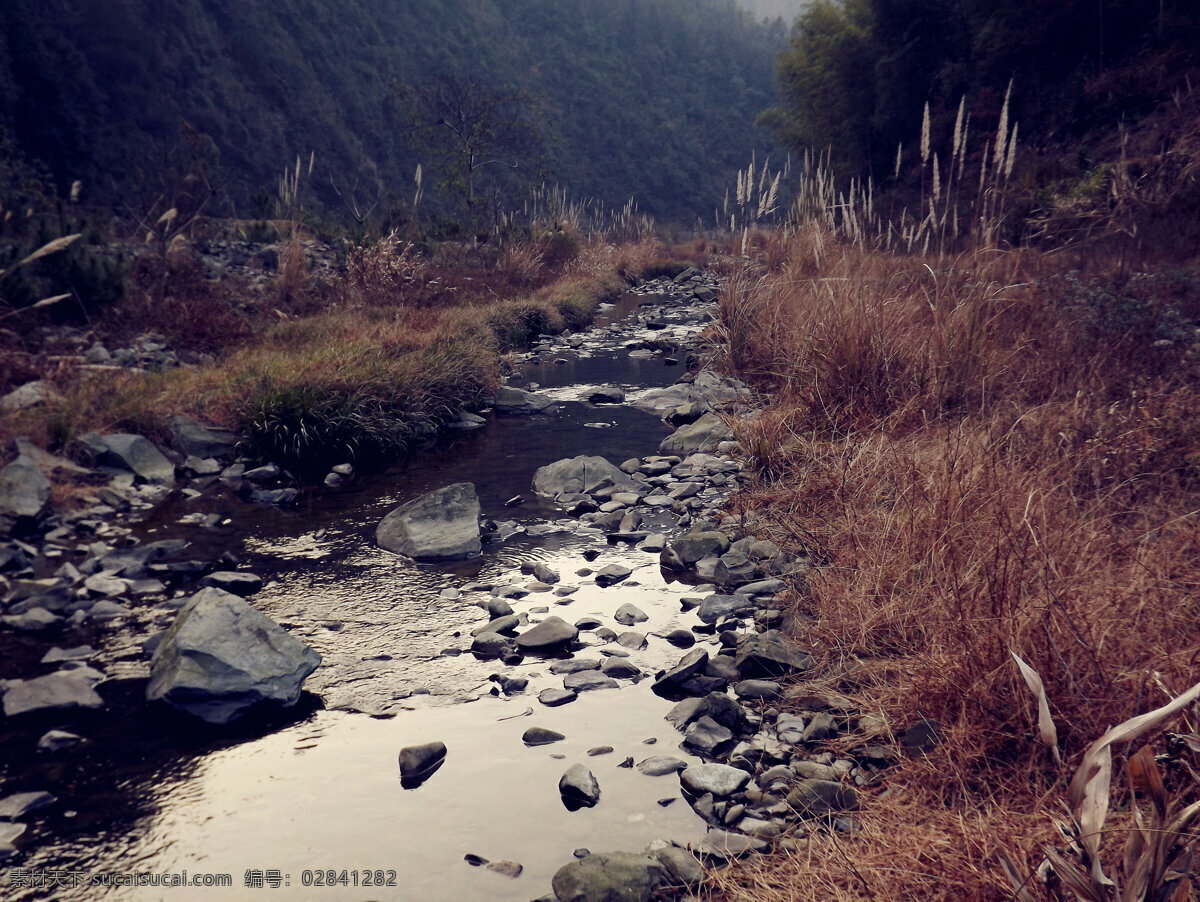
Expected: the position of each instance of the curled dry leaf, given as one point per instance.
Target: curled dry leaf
(1046, 728)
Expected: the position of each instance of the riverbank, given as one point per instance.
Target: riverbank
(992, 454)
(316, 364)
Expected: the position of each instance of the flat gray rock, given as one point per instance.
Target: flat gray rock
(719, 779)
(221, 656)
(553, 698)
(610, 877)
(583, 474)
(24, 491)
(442, 525)
(63, 689)
(196, 439)
(130, 452)
(22, 803)
(620, 669)
(612, 574)
(661, 765)
(588, 680)
(550, 632)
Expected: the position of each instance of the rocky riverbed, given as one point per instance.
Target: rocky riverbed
(619, 638)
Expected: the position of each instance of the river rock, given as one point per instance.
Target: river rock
(578, 788)
(588, 681)
(607, 394)
(490, 645)
(574, 665)
(221, 656)
(551, 632)
(419, 762)
(610, 877)
(24, 491)
(768, 655)
(133, 453)
(517, 401)
(541, 736)
(681, 638)
(671, 683)
(612, 574)
(620, 669)
(442, 525)
(756, 690)
(812, 798)
(197, 440)
(64, 689)
(682, 865)
(545, 575)
(583, 474)
(236, 582)
(28, 395)
(22, 803)
(724, 845)
(714, 607)
(57, 740)
(552, 698)
(719, 779)
(685, 551)
(702, 435)
(708, 737)
(33, 620)
(661, 765)
(628, 614)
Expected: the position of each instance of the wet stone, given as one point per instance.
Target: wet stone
(588, 680)
(553, 698)
(612, 574)
(708, 737)
(23, 803)
(629, 614)
(574, 665)
(579, 788)
(661, 765)
(541, 736)
(620, 669)
(419, 762)
(632, 640)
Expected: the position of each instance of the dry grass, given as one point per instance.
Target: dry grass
(982, 472)
(367, 366)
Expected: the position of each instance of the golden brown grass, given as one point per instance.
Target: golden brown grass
(398, 344)
(981, 473)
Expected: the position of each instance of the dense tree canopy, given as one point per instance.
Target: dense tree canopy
(653, 98)
(859, 72)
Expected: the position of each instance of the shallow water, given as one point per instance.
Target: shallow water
(321, 791)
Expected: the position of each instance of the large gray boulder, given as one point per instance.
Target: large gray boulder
(443, 525)
(221, 656)
(582, 474)
(24, 491)
(610, 877)
(703, 435)
(130, 452)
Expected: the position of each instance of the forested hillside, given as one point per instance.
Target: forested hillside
(650, 98)
(859, 72)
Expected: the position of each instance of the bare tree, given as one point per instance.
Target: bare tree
(466, 127)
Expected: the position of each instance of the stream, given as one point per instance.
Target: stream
(311, 804)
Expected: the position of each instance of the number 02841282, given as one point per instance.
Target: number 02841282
(344, 877)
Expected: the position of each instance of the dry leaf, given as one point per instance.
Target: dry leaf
(1046, 728)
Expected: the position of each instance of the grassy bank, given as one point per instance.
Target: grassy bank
(353, 367)
(990, 453)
